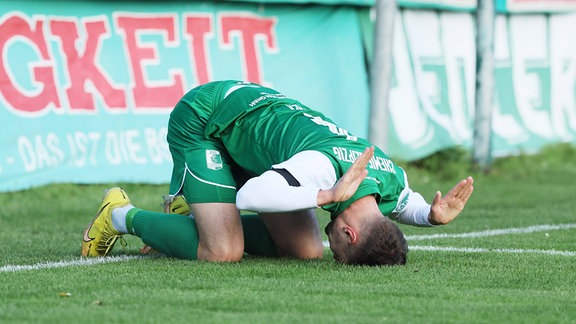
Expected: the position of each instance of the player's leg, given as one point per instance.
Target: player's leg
(203, 174)
(177, 236)
(296, 234)
(170, 234)
(220, 231)
(174, 235)
(183, 244)
(257, 239)
(215, 231)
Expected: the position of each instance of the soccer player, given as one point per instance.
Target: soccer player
(241, 146)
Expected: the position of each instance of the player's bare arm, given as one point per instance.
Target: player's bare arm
(348, 184)
(445, 209)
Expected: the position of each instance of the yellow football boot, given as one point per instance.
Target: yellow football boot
(100, 236)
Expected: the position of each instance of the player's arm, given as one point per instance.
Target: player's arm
(346, 186)
(445, 209)
(271, 192)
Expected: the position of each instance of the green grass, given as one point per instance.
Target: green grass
(44, 225)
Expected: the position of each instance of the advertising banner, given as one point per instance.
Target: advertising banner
(432, 97)
(535, 6)
(502, 6)
(86, 86)
(453, 5)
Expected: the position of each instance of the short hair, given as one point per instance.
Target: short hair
(382, 243)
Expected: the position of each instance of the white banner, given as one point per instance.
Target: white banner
(432, 100)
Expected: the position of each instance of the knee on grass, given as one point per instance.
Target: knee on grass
(303, 252)
(221, 254)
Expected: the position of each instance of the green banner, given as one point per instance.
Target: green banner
(86, 86)
(502, 6)
(535, 6)
(457, 5)
(453, 5)
(432, 97)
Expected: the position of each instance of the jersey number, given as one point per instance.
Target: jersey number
(332, 127)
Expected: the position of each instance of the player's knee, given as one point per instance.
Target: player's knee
(230, 256)
(309, 251)
(233, 254)
(223, 253)
(316, 252)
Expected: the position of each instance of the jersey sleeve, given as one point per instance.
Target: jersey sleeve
(271, 192)
(414, 212)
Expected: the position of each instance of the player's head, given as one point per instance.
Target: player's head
(377, 241)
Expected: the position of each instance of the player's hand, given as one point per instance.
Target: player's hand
(349, 182)
(445, 209)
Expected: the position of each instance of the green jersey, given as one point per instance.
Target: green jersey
(260, 127)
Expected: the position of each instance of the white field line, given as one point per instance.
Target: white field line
(482, 250)
(506, 231)
(496, 232)
(61, 264)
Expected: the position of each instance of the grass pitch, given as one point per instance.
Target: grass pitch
(509, 258)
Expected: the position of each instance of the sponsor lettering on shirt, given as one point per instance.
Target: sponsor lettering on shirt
(332, 127)
(376, 162)
(265, 96)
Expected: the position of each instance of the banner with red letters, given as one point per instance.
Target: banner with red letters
(86, 86)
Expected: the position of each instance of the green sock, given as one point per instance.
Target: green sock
(257, 240)
(173, 235)
(129, 218)
(177, 235)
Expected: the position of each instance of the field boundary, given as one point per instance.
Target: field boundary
(485, 250)
(495, 232)
(70, 263)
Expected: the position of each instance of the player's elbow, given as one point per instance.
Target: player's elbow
(245, 198)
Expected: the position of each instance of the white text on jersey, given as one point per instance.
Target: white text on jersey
(376, 162)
